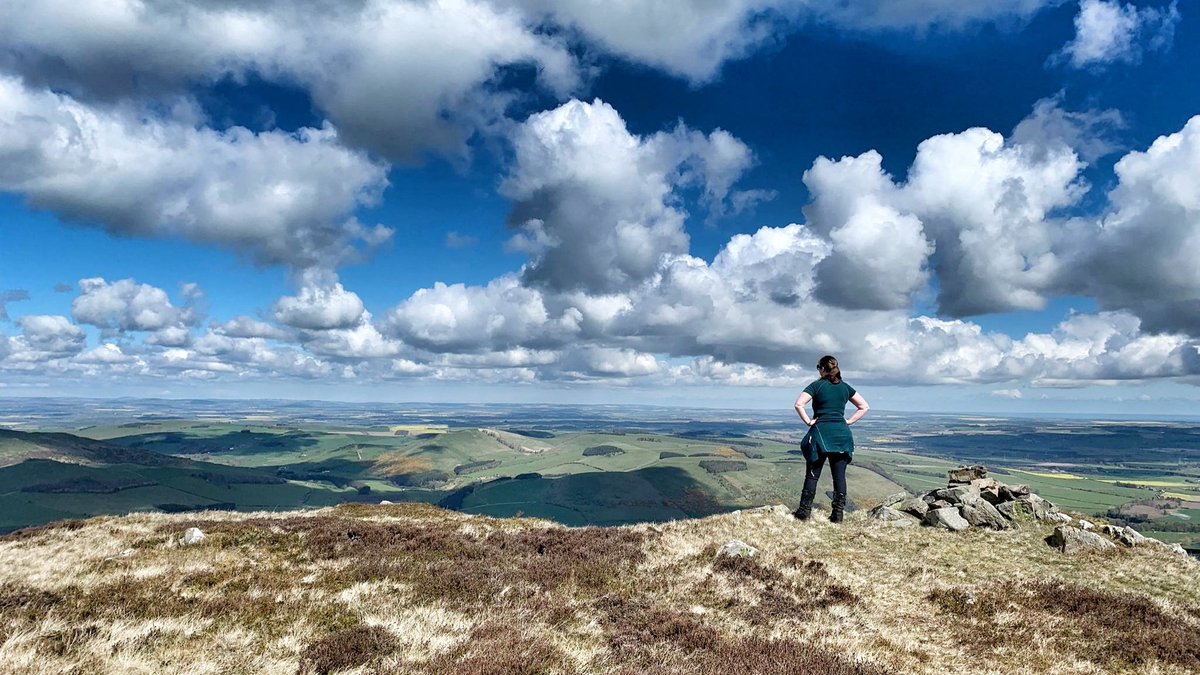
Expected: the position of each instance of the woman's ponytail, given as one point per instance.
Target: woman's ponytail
(829, 366)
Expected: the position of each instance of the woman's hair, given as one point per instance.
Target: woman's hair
(829, 366)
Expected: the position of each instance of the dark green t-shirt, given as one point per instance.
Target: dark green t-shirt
(829, 400)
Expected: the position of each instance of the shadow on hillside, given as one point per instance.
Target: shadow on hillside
(243, 442)
(653, 494)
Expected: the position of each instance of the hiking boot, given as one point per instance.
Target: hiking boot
(838, 507)
(804, 511)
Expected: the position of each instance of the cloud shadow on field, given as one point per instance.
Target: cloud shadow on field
(604, 498)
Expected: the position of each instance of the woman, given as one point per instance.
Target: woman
(828, 435)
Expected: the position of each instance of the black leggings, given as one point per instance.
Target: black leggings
(838, 461)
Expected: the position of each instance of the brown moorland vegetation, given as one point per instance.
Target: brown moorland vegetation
(410, 588)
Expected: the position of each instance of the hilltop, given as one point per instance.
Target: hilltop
(411, 588)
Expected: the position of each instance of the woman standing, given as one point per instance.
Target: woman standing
(828, 435)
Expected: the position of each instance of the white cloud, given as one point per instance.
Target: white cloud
(516, 357)
(107, 354)
(459, 318)
(1088, 133)
(879, 254)
(273, 197)
(1109, 31)
(363, 341)
(1142, 256)
(986, 203)
(398, 77)
(975, 209)
(595, 204)
(608, 362)
(243, 357)
(689, 39)
(44, 337)
(246, 327)
(126, 305)
(1014, 394)
(321, 304)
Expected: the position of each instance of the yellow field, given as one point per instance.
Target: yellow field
(415, 429)
(1182, 495)
(1147, 483)
(1064, 476)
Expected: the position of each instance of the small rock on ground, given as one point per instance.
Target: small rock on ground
(737, 548)
(191, 536)
(948, 518)
(1074, 540)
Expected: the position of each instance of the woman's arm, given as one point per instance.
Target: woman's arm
(860, 403)
(800, 403)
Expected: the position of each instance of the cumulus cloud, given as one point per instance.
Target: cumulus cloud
(879, 254)
(126, 305)
(398, 77)
(1090, 133)
(975, 209)
(1014, 394)
(688, 39)
(608, 362)
(246, 327)
(595, 204)
(45, 337)
(106, 354)
(986, 204)
(610, 290)
(1109, 31)
(213, 355)
(363, 341)
(459, 318)
(275, 197)
(1143, 256)
(321, 304)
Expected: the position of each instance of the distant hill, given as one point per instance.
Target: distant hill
(53, 476)
(416, 589)
(19, 446)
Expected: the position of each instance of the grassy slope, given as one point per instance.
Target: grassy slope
(414, 589)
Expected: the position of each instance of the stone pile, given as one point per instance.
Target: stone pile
(971, 499)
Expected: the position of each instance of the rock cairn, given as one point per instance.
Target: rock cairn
(971, 499)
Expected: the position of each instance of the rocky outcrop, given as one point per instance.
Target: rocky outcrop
(971, 499)
(974, 499)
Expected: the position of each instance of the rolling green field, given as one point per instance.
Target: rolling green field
(575, 477)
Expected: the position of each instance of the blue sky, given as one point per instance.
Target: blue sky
(976, 206)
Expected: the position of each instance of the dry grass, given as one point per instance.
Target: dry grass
(399, 464)
(1122, 630)
(414, 589)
